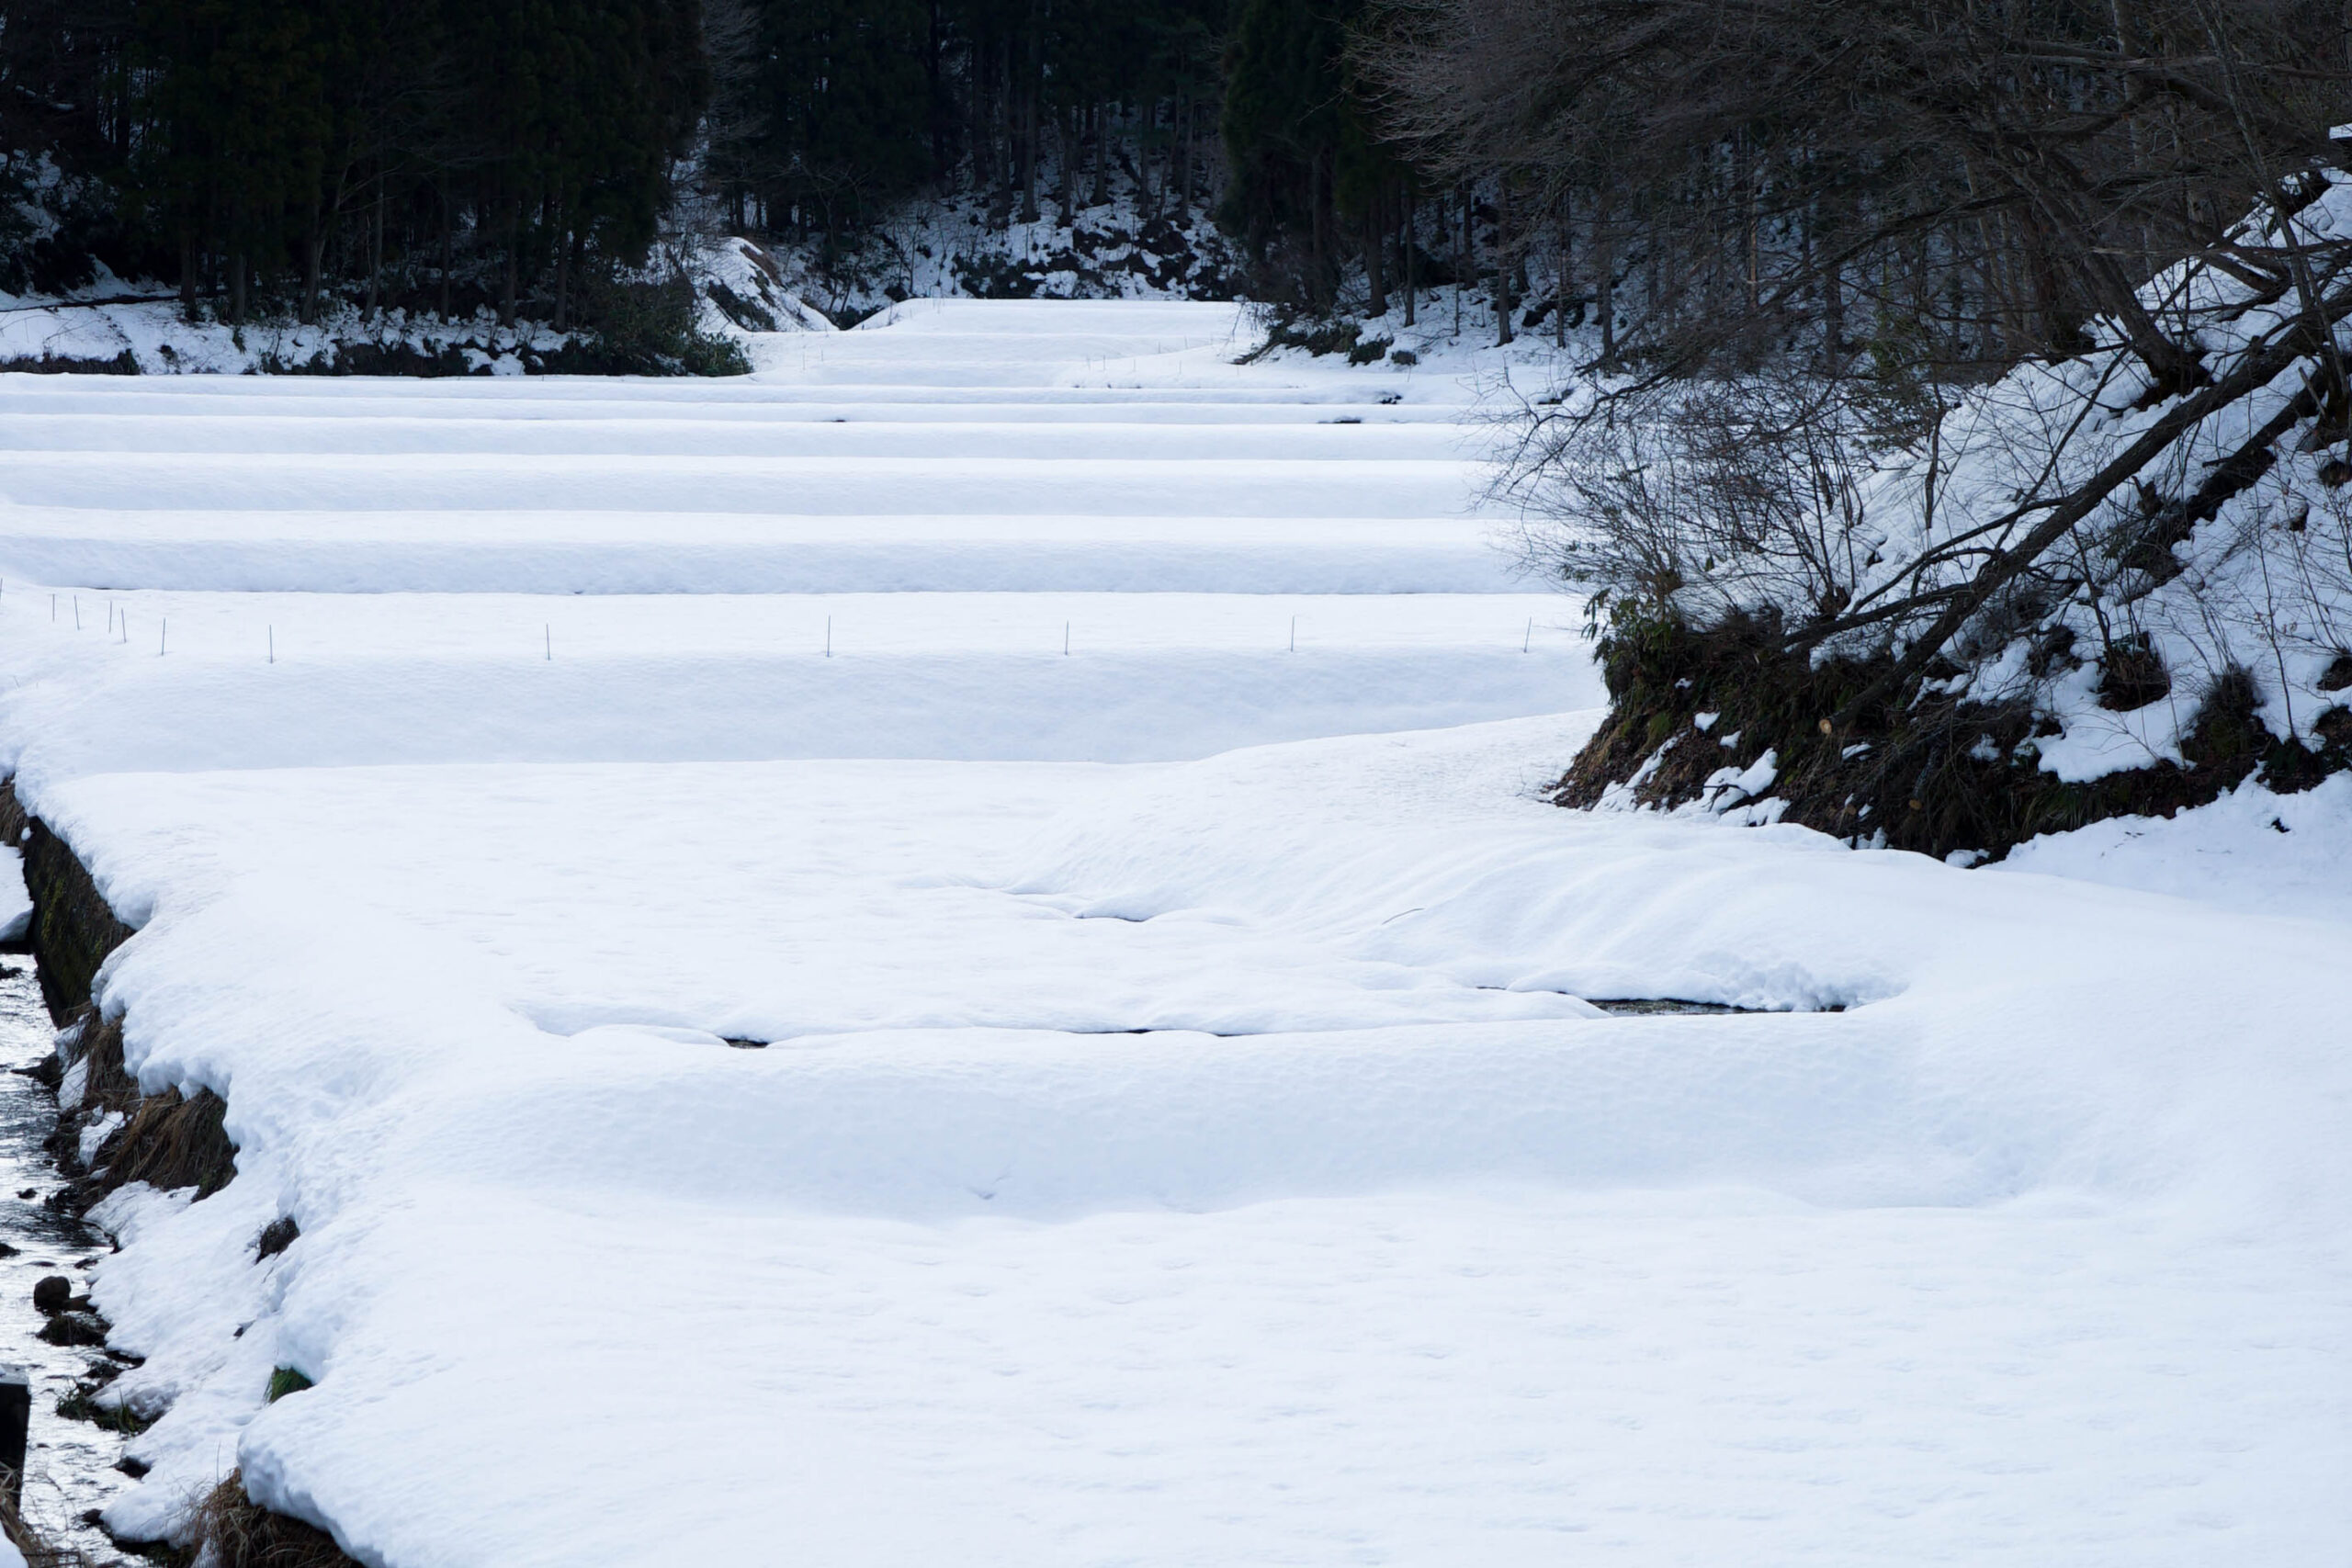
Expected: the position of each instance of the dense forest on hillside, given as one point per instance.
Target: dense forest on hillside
(827, 109)
(1975, 463)
(1959, 185)
(276, 147)
(1817, 260)
(263, 153)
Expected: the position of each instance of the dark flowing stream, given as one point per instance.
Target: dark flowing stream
(70, 1466)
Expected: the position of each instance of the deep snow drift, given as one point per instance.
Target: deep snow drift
(1156, 1152)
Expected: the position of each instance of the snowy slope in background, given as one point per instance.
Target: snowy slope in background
(944, 449)
(1004, 565)
(144, 329)
(154, 338)
(964, 247)
(1161, 1152)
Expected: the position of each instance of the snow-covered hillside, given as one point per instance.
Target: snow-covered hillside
(140, 328)
(1100, 779)
(962, 246)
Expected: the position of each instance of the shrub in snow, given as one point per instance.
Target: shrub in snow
(1963, 615)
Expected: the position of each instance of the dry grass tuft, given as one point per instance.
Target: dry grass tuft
(240, 1533)
(171, 1142)
(108, 1084)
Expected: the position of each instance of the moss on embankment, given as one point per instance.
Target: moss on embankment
(72, 927)
(1930, 771)
(168, 1140)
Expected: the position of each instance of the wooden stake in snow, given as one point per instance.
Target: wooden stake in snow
(16, 1426)
(548, 631)
(1529, 640)
(1065, 640)
(829, 636)
(78, 612)
(273, 643)
(161, 635)
(1294, 634)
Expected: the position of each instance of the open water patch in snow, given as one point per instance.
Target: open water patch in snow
(1659, 1006)
(71, 1465)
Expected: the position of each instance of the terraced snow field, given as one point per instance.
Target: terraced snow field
(946, 954)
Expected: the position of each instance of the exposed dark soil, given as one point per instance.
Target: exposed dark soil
(123, 363)
(1928, 772)
(72, 929)
(1157, 252)
(166, 1139)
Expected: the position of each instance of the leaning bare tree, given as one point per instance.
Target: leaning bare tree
(1972, 447)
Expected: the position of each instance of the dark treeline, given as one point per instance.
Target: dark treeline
(828, 110)
(1979, 356)
(451, 153)
(448, 153)
(1950, 184)
(1945, 182)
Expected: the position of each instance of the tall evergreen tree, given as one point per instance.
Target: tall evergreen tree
(1288, 122)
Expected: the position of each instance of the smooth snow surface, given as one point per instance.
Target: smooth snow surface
(1156, 1152)
(2252, 850)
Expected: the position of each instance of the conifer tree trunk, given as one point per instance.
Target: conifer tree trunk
(1502, 260)
(1148, 192)
(1562, 289)
(376, 253)
(1604, 285)
(1102, 155)
(564, 243)
(1833, 312)
(315, 245)
(986, 118)
(938, 116)
(1316, 203)
(1465, 255)
(514, 245)
(1184, 167)
(1030, 69)
(1412, 281)
(1066, 144)
(1373, 244)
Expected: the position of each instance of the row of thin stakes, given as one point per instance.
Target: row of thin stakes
(122, 618)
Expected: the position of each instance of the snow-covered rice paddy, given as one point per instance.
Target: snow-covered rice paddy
(1157, 1152)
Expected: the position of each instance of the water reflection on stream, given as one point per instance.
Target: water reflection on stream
(70, 1469)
